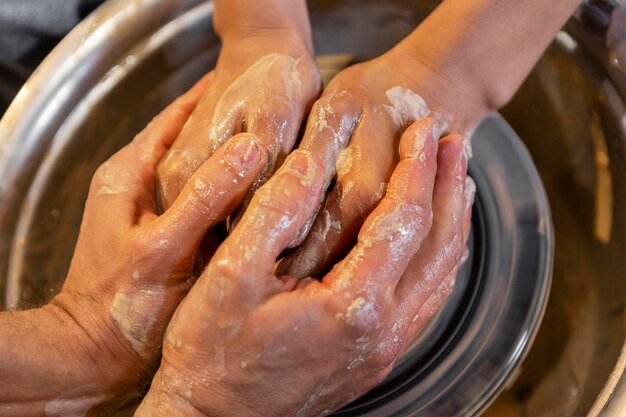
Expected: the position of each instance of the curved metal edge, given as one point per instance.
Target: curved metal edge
(57, 85)
(612, 400)
(103, 87)
(607, 42)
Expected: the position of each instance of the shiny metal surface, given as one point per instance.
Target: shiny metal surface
(119, 68)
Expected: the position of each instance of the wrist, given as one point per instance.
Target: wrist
(103, 364)
(454, 96)
(174, 394)
(164, 405)
(486, 47)
(44, 361)
(285, 20)
(162, 401)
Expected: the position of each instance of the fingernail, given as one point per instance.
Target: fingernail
(436, 132)
(470, 191)
(301, 163)
(467, 148)
(465, 255)
(415, 148)
(244, 154)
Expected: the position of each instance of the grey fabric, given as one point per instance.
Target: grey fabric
(29, 29)
(25, 23)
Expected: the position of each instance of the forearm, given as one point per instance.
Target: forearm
(244, 18)
(491, 45)
(35, 364)
(48, 367)
(160, 402)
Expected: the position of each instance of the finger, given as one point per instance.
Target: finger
(196, 143)
(215, 121)
(360, 184)
(441, 294)
(275, 214)
(277, 114)
(277, 88)
(213, 192)
(329, 129)
(276, 124)
(393, 232)
(469, 194)
(130, 172)
(276, 117)
(432, 305)
(444, 246)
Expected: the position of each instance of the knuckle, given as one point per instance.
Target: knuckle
(381, 359)
(107, 169)
(201, 195)
(282, 109)
(272, 205)
(223, 267)
(100, 171)
(412, 216)
(382, 374)
(450, 253)
(276, 114)
(331, 306)
(106, 174)
(169, 169)
(440, 297)
(335, 105)
(180, 164)
(172, 174)
(98, 176)
(420, 125)
(391, 345)
(362, 316)
(358, 194)
(142, 248)
(285, 192)
(455, 247)
(421, 213)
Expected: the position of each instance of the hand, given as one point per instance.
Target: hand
(248, 343)
(264, 83)
(131, 267)
(354, 128)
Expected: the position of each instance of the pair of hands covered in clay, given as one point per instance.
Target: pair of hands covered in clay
(383, 241)
(241, 325)
(321, 343)
(394, 226)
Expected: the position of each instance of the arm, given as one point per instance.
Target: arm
(44, 366)
(486, 46)
(240, 19)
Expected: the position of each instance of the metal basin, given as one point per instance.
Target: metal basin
(131, 58)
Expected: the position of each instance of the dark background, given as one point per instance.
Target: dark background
(29, 29)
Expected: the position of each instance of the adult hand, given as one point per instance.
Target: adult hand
(354, 128)
(246, 342)
(132, 267)
(264, 83)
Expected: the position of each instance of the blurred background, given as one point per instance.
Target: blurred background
(29, 29)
